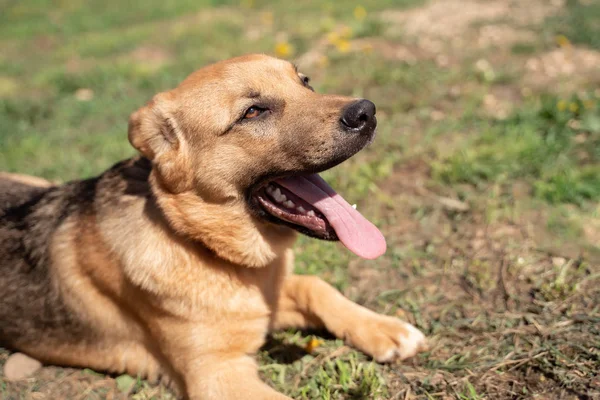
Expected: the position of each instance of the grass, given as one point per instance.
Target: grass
(553, 144)
(581, 24)
(491, 219)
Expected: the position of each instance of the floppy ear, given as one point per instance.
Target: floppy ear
(151, 131)
(154, 132)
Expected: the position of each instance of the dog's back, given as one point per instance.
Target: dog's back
(18, 189)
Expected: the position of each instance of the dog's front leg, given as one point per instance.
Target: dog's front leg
(206, 365)
(227, 377)
(309, 302)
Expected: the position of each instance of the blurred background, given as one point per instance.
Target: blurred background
(484, 177)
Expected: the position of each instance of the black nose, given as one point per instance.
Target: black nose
(359, 115)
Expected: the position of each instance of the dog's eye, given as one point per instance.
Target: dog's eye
(253, 112)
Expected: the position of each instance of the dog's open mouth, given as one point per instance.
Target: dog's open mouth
(310, 203)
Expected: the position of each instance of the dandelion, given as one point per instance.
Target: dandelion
(312, 345)
(333, 37)
(562, 41)
(343, 46)
(573, 107)
(360, 13)
(284, 49)
(561, 105)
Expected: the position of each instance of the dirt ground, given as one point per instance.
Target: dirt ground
(505, 283)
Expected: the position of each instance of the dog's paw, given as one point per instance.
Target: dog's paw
(386, 338)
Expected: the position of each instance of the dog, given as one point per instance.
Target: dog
(177, 263)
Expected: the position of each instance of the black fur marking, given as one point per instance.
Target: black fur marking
(30, 305)
(32, 308)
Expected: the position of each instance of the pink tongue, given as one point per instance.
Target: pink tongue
(356, 233)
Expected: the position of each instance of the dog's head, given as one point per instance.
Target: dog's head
(235, 150)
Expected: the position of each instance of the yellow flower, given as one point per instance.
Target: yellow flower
(561, 105)
(340, 39)
(562, 41)
(343, 46)
(284, 49)
(333, 37)
(312, 345)
(573, 107)
(360, 13)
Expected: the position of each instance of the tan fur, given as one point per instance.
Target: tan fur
(189, 284)
(26, 179)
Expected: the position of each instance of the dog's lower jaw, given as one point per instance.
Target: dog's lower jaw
(217, 226)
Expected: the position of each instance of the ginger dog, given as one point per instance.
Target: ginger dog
(179, 262)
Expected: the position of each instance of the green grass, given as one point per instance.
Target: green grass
(24, 20)
(506, 284)
(580, 23)
(331, 371)
(554, 144)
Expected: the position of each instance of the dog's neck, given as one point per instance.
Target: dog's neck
(224, 228)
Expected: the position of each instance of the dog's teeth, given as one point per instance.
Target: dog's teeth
(354, 206)
(270, 189)
(301, 209)
(311, 213)
(278, 196)
(289, 204)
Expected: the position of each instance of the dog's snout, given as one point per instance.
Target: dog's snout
(358, 115)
